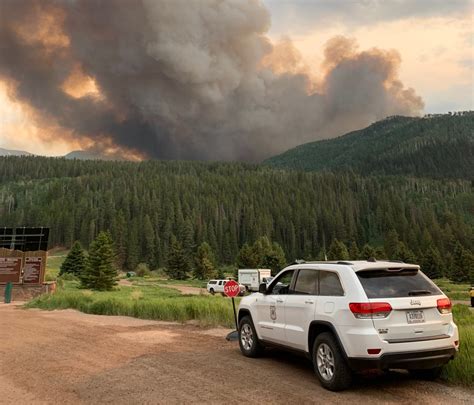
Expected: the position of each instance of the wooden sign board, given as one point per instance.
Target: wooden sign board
(33, 272)
(10, 269)
(22, 267)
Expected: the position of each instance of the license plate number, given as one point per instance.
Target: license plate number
(415, 317)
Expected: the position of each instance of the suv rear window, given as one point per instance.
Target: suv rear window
(386, 283)
(329, 284)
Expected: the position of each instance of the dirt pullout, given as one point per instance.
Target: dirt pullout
(68, 357)
(186, 289)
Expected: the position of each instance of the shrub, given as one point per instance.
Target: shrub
(142, 270)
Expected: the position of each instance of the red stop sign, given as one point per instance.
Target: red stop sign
(231, 288)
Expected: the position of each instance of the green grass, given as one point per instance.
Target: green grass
(162, 281)
(455, 291)
(461, 369)
(144, 302)
(53, 265)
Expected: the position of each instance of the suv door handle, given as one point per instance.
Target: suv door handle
(309, 302)
(279, 300)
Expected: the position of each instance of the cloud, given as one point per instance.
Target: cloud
(188, 79)
(307, 15)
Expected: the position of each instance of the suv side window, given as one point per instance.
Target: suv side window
(282, 284)
(306, 282)
(329, 284)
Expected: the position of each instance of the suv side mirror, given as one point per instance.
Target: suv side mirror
(262, 288)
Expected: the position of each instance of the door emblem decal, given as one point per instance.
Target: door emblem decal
(273, 312)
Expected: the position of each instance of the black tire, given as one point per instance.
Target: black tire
(428, 374)
(329, 363)
(249, 344)
(212, 291)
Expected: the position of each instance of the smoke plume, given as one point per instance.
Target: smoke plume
(187, 79)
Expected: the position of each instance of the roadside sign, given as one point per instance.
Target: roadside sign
(32, 271)
(10, 269)
(231, 289)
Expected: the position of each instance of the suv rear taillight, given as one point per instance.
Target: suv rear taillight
(370, 310)
(444, 305)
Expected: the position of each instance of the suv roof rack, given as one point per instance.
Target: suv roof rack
(327, 262)
(299, 261)
(396, 261)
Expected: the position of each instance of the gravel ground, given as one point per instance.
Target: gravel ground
(68, 357)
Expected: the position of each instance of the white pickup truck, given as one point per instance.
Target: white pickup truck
(252, 278)
(217, 286)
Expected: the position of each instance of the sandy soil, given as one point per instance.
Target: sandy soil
(68, 357)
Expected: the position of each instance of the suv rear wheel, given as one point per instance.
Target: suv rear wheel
(329, 363)
(249, 344)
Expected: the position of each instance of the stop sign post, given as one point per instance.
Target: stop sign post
(232, 290)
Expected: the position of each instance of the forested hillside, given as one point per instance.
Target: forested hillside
(228, 204)
(440, 146)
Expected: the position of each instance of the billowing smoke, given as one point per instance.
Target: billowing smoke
(190, 79)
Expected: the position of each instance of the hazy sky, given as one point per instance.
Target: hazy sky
(434, 38)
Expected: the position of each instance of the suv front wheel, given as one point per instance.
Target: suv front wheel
(249, 344)
(329, 363)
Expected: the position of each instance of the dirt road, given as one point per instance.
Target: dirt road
(68, 357)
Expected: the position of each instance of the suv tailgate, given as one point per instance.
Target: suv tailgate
(413, 298)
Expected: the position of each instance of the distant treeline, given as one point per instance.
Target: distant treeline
(146, 205)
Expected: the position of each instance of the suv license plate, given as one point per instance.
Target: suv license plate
(415, 317)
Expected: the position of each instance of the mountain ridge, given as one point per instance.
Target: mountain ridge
(13, 152)
(437, 146)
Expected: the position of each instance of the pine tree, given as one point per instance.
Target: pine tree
(380, 253)
(432, 264)
(367, 252)
(75, 262)
(338, 251)
(204, 263)
(101, 273)
(354, 251)
(391, 244)
(463, 262)
(274, 259)
(246, 257)
(404, 254)
(177, 264)
(149, 239)
(133, 246)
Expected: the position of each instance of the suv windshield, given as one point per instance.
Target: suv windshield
(386, 283)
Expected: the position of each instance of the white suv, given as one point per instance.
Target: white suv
(350, 316)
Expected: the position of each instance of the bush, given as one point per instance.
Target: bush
(142, 270)
(68, 277)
